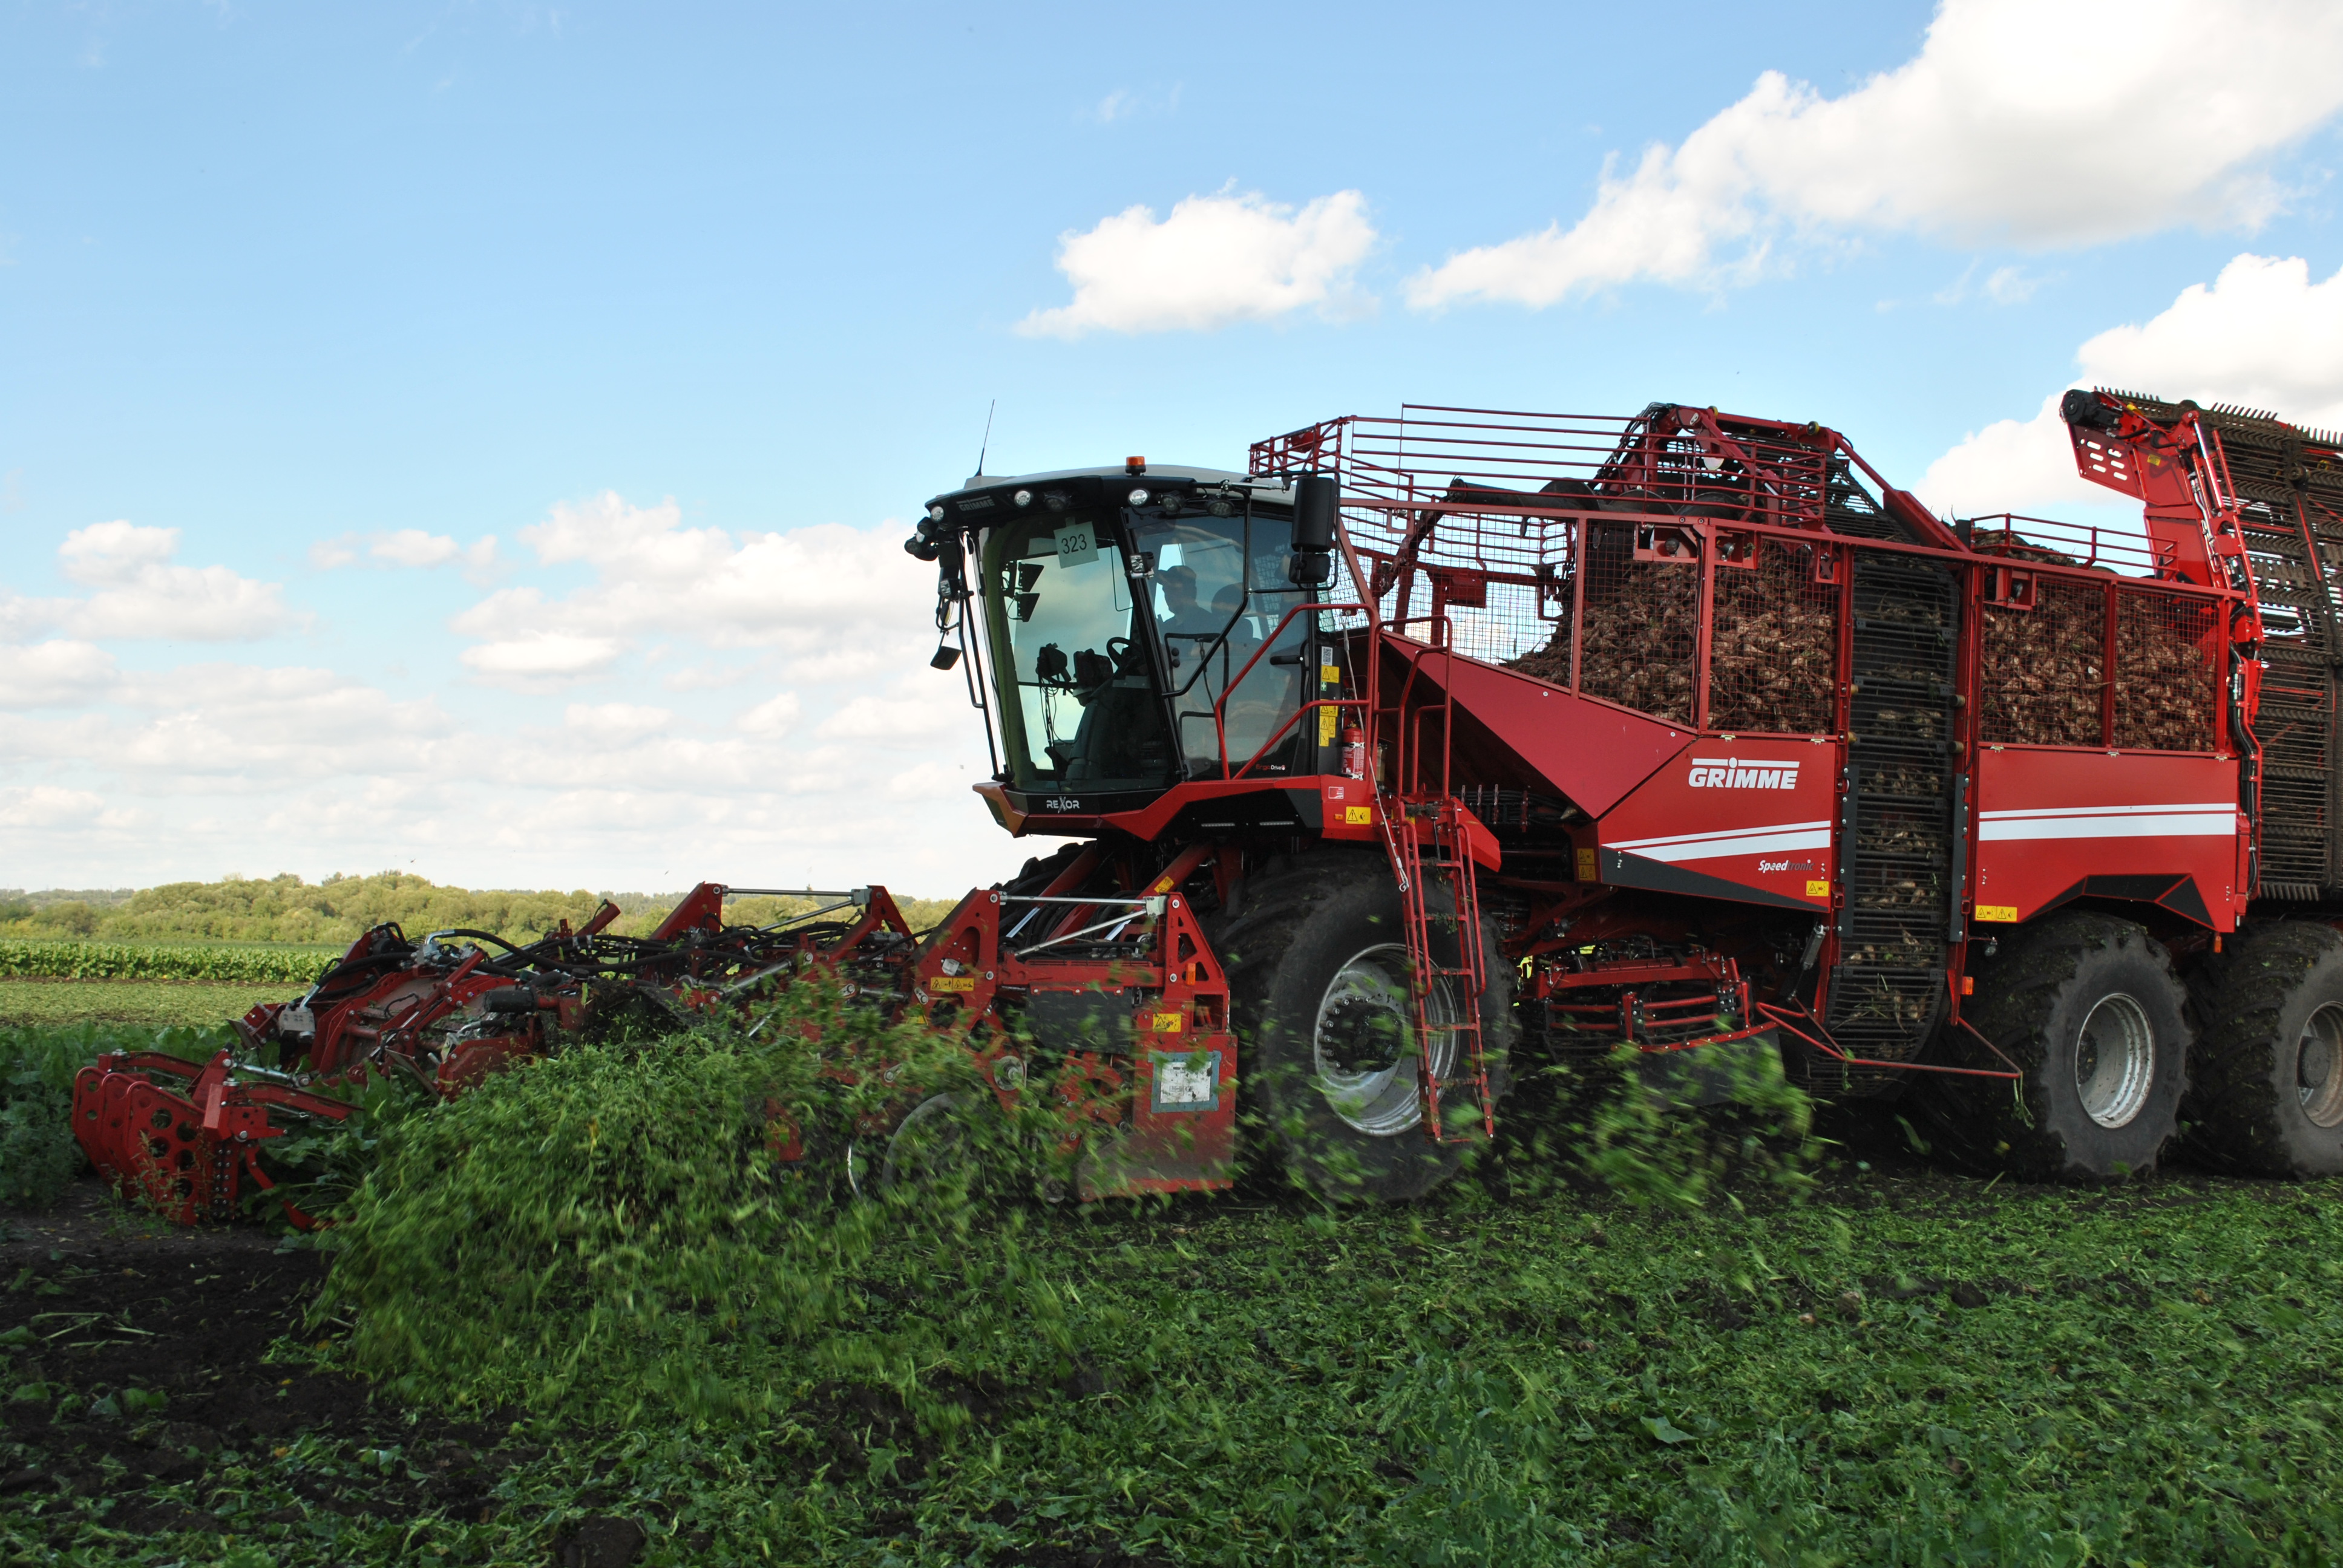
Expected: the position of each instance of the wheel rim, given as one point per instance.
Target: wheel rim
(1364, 1048)
(2319, 1067)
(2115, 1060)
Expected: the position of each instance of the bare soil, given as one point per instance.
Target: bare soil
(118, 1309)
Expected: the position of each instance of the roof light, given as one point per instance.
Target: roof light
(1023, 498)
(1138, 497)
(936, 513)
(1134, 464)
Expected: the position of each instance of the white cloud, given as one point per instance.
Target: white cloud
(615, 723)
(55, 674)
(798, 590)
(919, 711)
(405, 548)
(47, 805)
(138, 591)
(535, 658)
(2028, 122)
(1217, 259)
(137, 776)
(2262, 335)
(777, 715)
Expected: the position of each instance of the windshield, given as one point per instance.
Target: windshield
(1078, 709)
(1218, 589)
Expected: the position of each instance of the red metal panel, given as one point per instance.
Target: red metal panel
(2049, 817)
(1592, 753)
(1758, 812)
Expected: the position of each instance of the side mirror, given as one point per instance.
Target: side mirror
(1316, 499)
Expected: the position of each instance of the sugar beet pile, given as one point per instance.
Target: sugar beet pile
(1772, 654)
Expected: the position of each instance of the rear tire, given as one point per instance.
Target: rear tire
(2268, 1096)
(2087, 1007)
(1332, 1072)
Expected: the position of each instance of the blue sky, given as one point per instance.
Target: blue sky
(476, 437)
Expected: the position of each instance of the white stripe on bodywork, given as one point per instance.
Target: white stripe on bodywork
(2108, 810)
(1771, 840)
(2165, 823)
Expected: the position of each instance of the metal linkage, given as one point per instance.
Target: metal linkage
(448, 1011)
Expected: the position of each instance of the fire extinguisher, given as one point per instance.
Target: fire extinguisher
(1354, 752)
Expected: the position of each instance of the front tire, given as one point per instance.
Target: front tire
(2269, 1101)
(2087, 1008)
(1332, 1068)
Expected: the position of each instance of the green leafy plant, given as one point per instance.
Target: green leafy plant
(615, 1231)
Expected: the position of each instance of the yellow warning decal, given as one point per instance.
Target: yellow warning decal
(1358, 816)
(2006, 913)
(952, 982)
(1815, 889)
(1588, 867)
(1325, 725)
(1168, 1023)
(1331, 674)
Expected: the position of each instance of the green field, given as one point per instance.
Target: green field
(1908, 1367)
(158, 1002)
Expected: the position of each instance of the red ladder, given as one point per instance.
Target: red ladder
(1430, 846)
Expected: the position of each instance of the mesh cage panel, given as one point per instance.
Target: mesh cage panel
(1773, 656)
(2167, 691)
(2295, 722)
(2040, 670)
(1641, 626)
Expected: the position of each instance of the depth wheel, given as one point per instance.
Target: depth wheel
(2087, 1007)
(1332, 1071)
(2269, 1099)
(927, 1148)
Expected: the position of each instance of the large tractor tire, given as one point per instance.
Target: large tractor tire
(1330, 1065)
(2087, 1008)
(2268, 1093)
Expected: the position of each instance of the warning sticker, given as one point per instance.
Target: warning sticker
(1358, 816)
(1817, 890)
(2004, 912)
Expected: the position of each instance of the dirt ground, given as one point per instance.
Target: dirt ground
(136, 1378)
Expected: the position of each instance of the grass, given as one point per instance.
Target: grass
(156, 1003)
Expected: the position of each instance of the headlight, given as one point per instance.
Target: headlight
(1023, 498)
(1139, 497)
(936, 513)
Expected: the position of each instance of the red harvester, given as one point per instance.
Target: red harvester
(1432, 745)
(1435, 746)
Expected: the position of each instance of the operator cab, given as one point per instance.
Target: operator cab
(1140, 626)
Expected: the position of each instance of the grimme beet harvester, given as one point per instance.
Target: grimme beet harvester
(1433, 745)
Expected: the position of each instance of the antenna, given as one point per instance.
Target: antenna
(980, 451)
